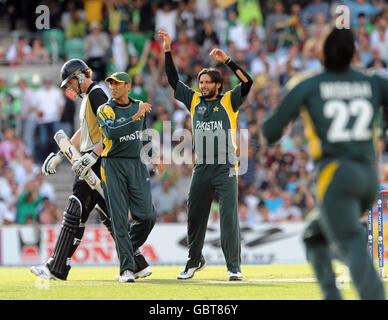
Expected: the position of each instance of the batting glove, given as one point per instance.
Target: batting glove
(83, 164)
(51, 162)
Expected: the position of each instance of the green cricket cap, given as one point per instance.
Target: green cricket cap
(119, 77)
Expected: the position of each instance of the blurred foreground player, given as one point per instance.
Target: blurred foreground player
(77, 78)
(339, 107)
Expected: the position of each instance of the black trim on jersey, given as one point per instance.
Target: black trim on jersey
(245, 86)
(97, 97)
(172, 74)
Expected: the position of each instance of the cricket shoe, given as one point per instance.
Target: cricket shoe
(188, 273)
(43, 272)
(126, 276)
(143, 273)
(142, 268)
(235, 276)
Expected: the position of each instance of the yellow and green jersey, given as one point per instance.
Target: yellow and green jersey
(214, 123)
(339, 110)
(122, 137)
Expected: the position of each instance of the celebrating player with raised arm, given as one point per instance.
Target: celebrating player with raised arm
(213, 114)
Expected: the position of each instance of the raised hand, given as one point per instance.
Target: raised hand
(218, 55)
(166, 40)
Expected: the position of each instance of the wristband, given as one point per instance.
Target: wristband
(94, 155)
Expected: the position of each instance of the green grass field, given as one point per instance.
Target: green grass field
(261, 282)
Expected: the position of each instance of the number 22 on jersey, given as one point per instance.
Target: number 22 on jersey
(341, 113)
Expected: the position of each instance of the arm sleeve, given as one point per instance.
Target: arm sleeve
(172, 74)
(111, 128)
(287, 111)
(97, 98)
(243, 76)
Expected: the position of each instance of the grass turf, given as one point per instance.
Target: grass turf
(261, 282)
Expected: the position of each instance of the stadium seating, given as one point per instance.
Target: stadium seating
(74, 48)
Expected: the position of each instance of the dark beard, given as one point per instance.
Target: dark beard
(211, 94)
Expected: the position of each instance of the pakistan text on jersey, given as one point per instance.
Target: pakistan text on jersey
(133, 136)
(345, 90)
(208, 125)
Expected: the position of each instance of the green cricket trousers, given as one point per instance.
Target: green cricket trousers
(207, 179)
(126, 184)
(345, 189)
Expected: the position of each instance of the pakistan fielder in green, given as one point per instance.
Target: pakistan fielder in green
(125, 178)
(214, 123)
(339, 107)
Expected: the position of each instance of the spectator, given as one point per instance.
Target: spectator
(50, 104)
(28, 203)
(97, 45)
(93, 10)
(166, 201)
(376, 62)
(11, 145)
(275, 18)
(217, 16)
(147, 11)
(364, 28)
(119, 52)
(313, 9)
(365, 51)
(68, 13)
(76, 28)
(45, 188)
(28, 115)
(19, 53)
(6, 216)
(310, 61)
(166, 18)
(49, 213)
(184, 45)
(381, 43)
(252, 201)
(162, 93)
(6, 190)
(237, 32)
(25, 171)
(186, 20)
(39, 54)
(136, 64)
(288, 211)
(358, 6)
(138, 90)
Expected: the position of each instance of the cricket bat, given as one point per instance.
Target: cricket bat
(72, 154)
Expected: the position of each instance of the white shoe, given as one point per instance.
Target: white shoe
(43, 272)
(143, 273)
(188, 273)
(126, 276)
(235, 276)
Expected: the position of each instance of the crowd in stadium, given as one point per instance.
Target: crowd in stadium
(272, 40)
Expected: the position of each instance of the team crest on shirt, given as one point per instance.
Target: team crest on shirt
(201, 109)
(122, 119)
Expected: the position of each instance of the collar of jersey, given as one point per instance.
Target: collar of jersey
(212, 99)
(118, 105)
